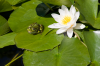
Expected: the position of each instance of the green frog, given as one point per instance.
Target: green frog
(35, 28)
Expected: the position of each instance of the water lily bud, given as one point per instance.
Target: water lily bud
(35, 28)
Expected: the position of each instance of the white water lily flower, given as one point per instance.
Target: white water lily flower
(66, 20)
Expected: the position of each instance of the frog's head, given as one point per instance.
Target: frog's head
(35, 28)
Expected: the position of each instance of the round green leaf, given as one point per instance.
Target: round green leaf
(24, 16)
(4, 27)
(88, 9)
(16, 2)
(73, 53)
(60, 2)
(42, 9)
(7, 39)
(5, 6)
(13, 2)
(38, 42)
(72, 1)
(46, 58)
(92, 39)
(97, 22)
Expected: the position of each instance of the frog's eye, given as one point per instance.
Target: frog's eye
(41, 27)
(35, 28)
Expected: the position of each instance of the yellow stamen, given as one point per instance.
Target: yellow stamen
(66, 19)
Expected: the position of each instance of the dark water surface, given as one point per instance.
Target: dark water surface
(7, 53)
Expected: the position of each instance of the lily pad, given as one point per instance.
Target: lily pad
(42, 9)
(46, 58)
(60, 2)
(13, 2)
(23, 16)
(92, 39)
(5, 6)
(71, 52)
(46, 40)
(97, 21)
(4, 27)
(38, 42)
(88, 9)
(7, 39)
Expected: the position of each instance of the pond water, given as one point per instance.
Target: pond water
(7, 54)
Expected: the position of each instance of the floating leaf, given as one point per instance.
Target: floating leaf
(7, 39)
(72, 1)
(24, 16)
(4, 27)
(13, 2)
(5, 6)
(73, 53)
(92, 39)
(88, 9)
(97, 21)
(38, 42)
(42, 9)
(60, 2)
(46, 58)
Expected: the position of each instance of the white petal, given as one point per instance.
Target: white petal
(77, 14)
(98, 32)
(72, 10)
(55, 25)
(56, 17)
(74, 20)
(61, 30)
(70, 32)
(62, 12)
(63, 7)
(79, 26)
(74, 25)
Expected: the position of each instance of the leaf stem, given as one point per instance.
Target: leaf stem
(14, 59)
(79, 38)
(15, 56)
(48, 6)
